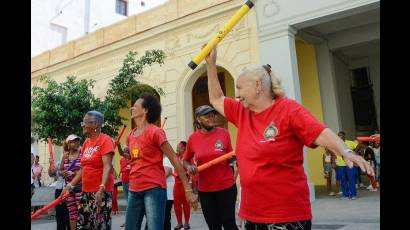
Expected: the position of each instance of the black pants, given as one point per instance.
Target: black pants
(298, 225)
(167, 220)
(219, 208)
(62, 218)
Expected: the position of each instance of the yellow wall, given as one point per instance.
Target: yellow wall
(310, 91)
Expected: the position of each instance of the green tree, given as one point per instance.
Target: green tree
(58, 109)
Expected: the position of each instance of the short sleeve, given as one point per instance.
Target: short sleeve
(188, 154)
(306, 127)
(107, 146)
(159, 137)
(231, 110)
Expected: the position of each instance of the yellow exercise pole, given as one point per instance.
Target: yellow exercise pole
(221, 34)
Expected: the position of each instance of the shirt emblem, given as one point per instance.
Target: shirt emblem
(270, 132)
(90, 151)
(219, 146)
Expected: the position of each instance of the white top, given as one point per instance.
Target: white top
(170, 179)
(58, 179)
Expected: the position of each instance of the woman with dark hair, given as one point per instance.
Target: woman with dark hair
(216, 185)
(146, 145)
(96, 177)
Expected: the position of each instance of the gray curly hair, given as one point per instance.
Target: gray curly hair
(269, 80)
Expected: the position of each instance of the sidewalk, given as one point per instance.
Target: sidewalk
(329, 213)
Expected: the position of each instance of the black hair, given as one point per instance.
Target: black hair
(341, 132)
(99, 117)
(183, 143)
(37, 156)
(152, 105)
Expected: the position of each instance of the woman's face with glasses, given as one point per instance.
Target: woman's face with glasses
(207, 120)
(88, 124)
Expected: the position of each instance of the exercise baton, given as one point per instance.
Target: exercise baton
(213, 162)
(119, 136)
(47, 207)
(368, 139)
(50, 148)
(221, 34)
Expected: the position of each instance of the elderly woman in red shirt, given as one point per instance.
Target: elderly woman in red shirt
(272, 131)
(95, 174)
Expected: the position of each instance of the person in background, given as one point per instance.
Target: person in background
(62, 214)
(328, 162)
(32, 175)
(70, 166)
(168, 168)
(180, 202)
(37, 170)
(369, 156)
(115, 209)
(350, 172)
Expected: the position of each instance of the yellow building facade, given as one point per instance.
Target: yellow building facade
(180, 28)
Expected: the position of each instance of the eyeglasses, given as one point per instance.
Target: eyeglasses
(208, 115)
(86, 122)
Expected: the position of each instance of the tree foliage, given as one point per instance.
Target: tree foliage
(58, 108)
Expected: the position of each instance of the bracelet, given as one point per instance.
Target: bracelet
(347, 151)
(70, 186)
(188, 190)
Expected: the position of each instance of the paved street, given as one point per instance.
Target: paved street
(329, 213)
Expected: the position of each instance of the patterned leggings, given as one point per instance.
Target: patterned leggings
(72, 201)
(88, 218)
(298, 225)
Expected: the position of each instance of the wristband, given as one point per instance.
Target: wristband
(188, 190)
(70, 186)
(347, 151)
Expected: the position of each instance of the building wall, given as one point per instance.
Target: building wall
(343, 84)
(61, 21)
(180, 29)
(373, 63)
(311, 99)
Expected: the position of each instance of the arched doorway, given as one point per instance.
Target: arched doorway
(200, 94)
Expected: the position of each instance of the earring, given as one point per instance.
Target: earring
(95, 130)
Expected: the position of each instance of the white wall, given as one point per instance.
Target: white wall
(343, 83)
(54, 22)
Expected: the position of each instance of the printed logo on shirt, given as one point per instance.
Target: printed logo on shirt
(270, 132)
(90, 151)
(135, 152)
(219, 145)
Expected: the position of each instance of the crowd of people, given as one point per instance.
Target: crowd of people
(349, 180)
(271, 133)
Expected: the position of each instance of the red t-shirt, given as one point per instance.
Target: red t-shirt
(206, 147)
(269, 152)
(147, 170)
(125, 168)
(92, 163)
